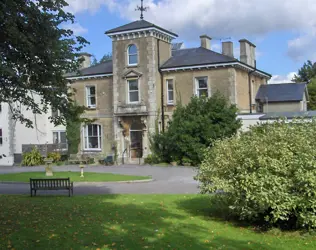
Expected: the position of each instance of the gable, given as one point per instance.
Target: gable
(132, 74)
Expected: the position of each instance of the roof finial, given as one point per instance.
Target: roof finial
(141, 9)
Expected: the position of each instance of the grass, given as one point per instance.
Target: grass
(130, 222)
(74, 176)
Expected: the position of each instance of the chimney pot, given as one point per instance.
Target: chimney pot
(205, 42)
(228, 49)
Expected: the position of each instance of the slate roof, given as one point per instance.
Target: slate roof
(100, 69)
(285, 92)
(288, 115)
(139, 24)
(194, 57)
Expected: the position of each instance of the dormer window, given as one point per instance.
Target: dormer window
(132, 55)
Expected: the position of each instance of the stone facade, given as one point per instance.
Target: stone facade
(242, 90)
(102, 113)
(127, 124)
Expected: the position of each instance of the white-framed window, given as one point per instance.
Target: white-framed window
(201, 88)
(90, 96)
(92, 137)
(1, 139)
(170, 91)
(60, 138)
(132, 55)
(133, 91)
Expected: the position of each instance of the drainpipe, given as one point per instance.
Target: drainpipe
(162, 89)
(249, 86)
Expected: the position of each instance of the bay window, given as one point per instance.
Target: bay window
(92, 137)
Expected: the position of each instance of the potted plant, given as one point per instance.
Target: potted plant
(186, 161)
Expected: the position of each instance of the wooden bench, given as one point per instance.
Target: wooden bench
(78, 159)
(51, 184)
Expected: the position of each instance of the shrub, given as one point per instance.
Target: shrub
(151, 159)
(268, 173)
(193, 127)
(55, 156)
(33, 158)
(186, 160)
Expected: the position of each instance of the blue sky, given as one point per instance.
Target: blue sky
(284, 31)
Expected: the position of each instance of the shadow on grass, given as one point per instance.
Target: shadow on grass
(106, 222)
(217, 208)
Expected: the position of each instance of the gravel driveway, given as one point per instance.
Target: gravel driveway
(167, 180)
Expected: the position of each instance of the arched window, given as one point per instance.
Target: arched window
(132, 55)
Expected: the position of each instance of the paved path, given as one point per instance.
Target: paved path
(167, 180)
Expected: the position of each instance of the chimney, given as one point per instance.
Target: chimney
(247, 52)
(87, 60)
(228, 49)
(205, 42)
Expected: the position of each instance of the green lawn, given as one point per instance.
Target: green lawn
(74, 176)
(130, 222)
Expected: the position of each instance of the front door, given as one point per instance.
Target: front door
(136, 137)
(136, 143)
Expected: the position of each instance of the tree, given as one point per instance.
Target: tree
(266, 174)
(193, 128)
(105, 58)
(308, 74)
(35, 54)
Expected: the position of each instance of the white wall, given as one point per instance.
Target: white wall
(42, 133)
(249, 120)
(17, 134)
(5, 126)
(304, 103)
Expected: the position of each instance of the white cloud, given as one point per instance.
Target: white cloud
(282, 78)
(303, 47)
(76, 28)
(77, 6)
(239, 18)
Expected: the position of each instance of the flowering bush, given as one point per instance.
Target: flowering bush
(267, 173)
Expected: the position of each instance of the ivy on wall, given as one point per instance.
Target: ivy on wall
(73, 129)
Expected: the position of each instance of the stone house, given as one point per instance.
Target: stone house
(135, 94)
(285, 97)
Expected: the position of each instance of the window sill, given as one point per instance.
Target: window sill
(170, 104)
(91, 108)
(134, 103)
(92, 150)
(132, 66)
